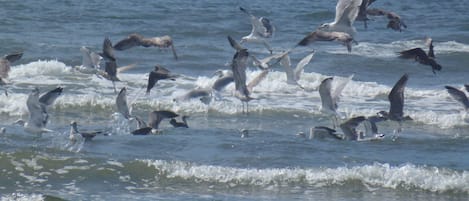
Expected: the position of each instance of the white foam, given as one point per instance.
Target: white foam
(406, 176)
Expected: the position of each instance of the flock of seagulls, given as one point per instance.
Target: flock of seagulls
(340, 30)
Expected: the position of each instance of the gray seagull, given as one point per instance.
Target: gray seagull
(136, 39)
(262, 30)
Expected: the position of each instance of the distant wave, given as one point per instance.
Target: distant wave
(408, 176)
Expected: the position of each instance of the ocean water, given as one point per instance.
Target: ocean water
(210, 160)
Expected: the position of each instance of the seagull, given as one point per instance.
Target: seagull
(121, 103)
(269, 61)
(459, 95)
(182, 124)
(362, 14)
(225, 77)
(108, 51)
(154, 120)
(74, 133)
(395, 21)
(6, 61)
(238, 66)
(136, 39)
(293, 75)
(319, 35)
(110, 68)
(159, 73)
(330, 98)
(346, 12)
(262, 30)
(202, 94)
(91, 61)
(396, 99)
(349, 129)
(423, 58)
(37, 107)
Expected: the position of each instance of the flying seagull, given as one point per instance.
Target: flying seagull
(396, 99)
(37, 107)
(262, 30)
(349, 129)
(294, 75)
(136, 39)
(87, 135)
(459, 95)
(395, 21)
(225, 77)
(362, 15)
(177, 124)
(108, 51)
(91, 61)
(238, 66)
(158, 73)
(330, 97)
(154, 121)
(6, 61)
(319, 35)
(346, 12)
(423, 58)
(121, 103)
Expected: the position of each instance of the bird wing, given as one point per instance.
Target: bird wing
(265, 28)
(467, 87)
(235, 44)
(376, 12)
(121, 103)
(286, 63)
(108, 52)
(13, 56)
(129, 42)
(339, 88)
(238, 66)
(124, 68)
(49, 98)
(396, 97)
(349, 127)
(415, 53)
(325, 93)
(429, 43)
(222, 82)
(459, 96)
(86, 57)
(37, 112)
(4, 68)
(301, 65)
(254, 82)
(346, 11)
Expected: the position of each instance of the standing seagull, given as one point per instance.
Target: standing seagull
(318, 35)
(159, 73)
(136, 39)
(346, 12)
(37, 107)
(396, 99)
(6, 61)
(238, 66)
(459, 95)
(330, 98)
(262, 30)
(423, 58)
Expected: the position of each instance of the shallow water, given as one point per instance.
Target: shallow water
(210, 161)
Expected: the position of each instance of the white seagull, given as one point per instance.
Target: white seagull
(37, 107)
(330, 97)
(262, 30)
(346, 12)
(293, 75)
